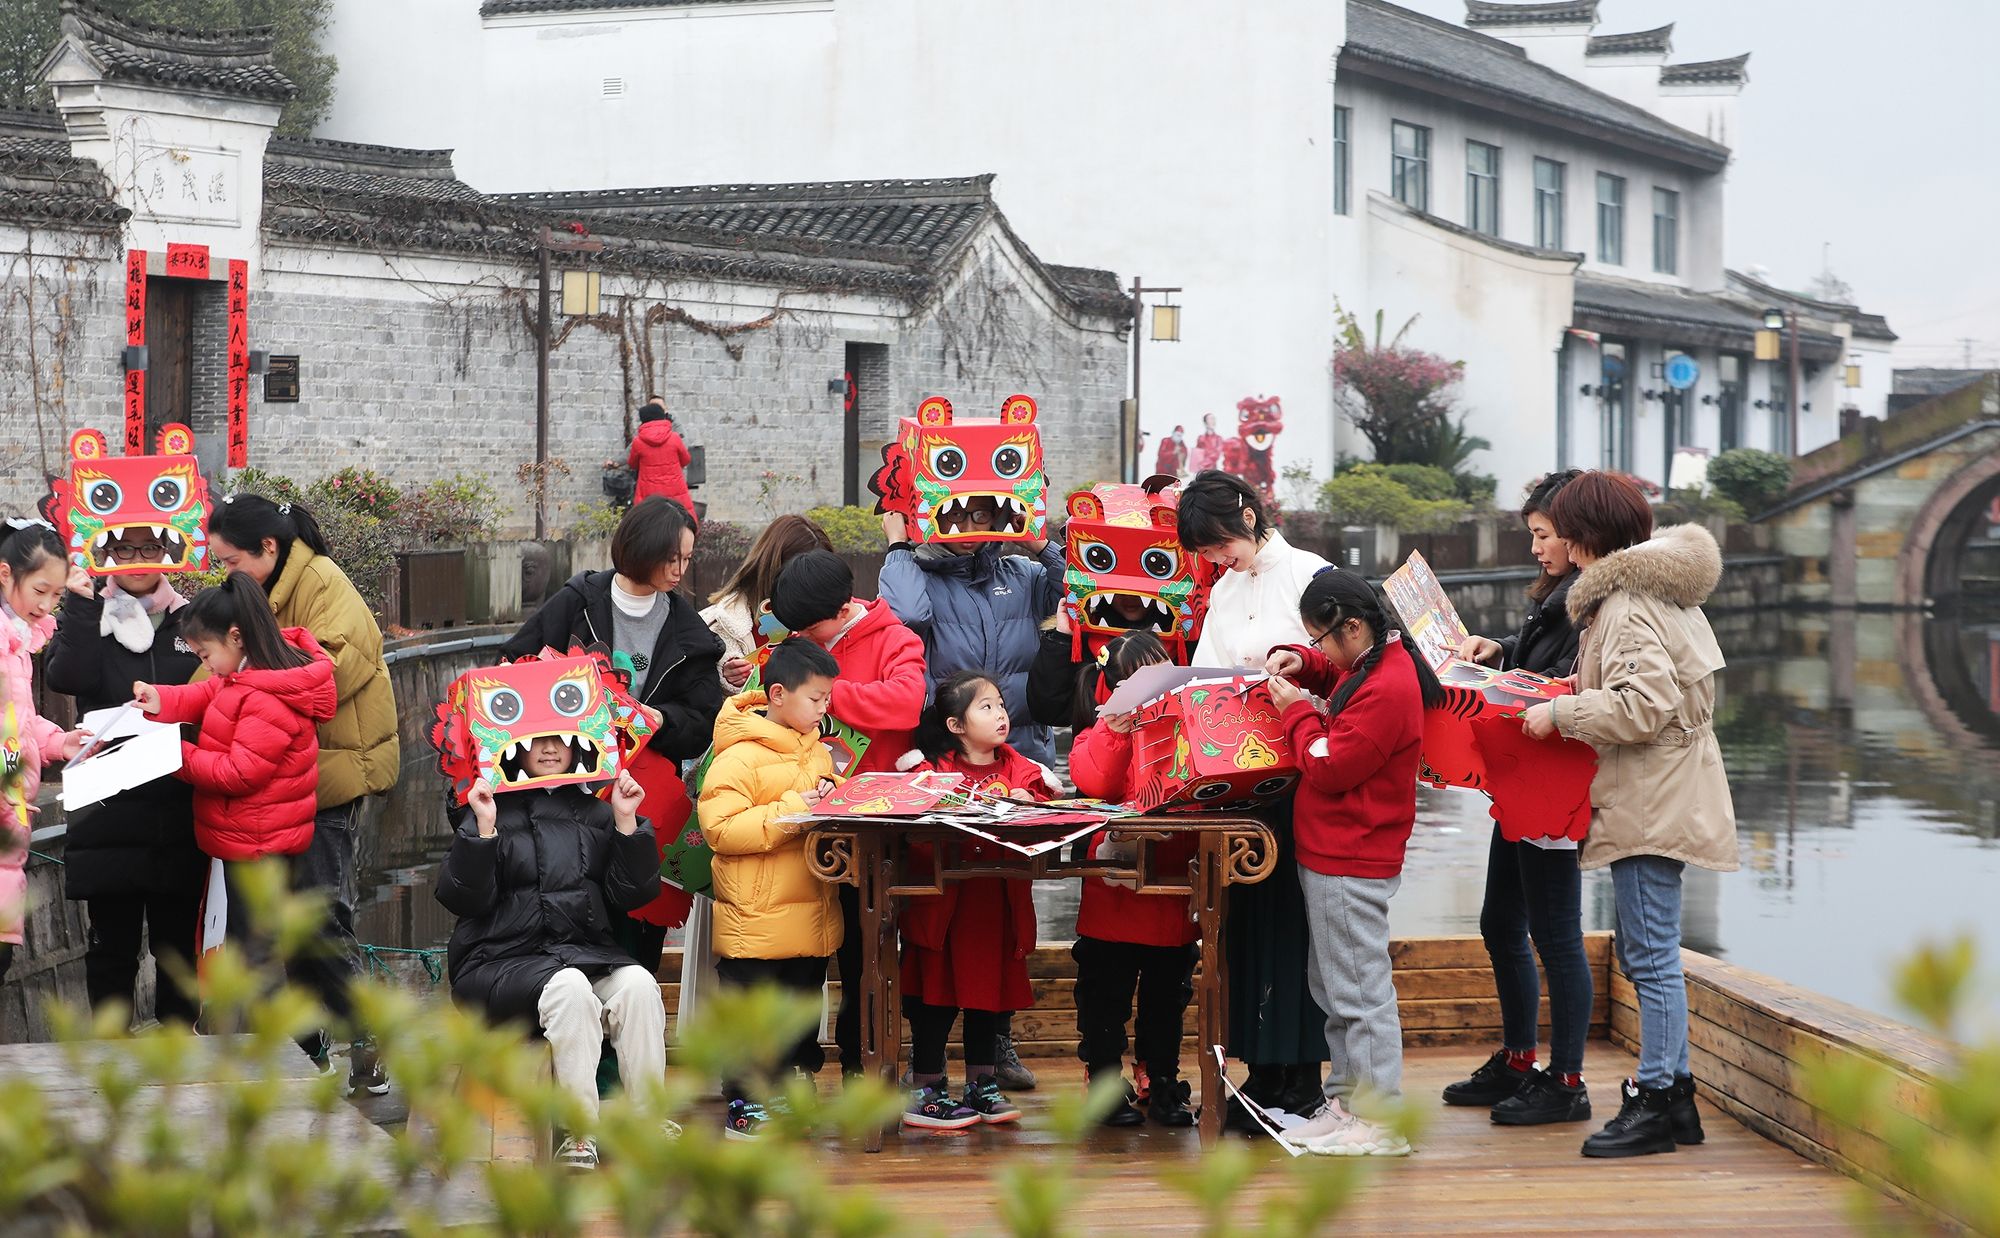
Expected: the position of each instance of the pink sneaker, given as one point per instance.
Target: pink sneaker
(1330, 1120)
(1360, 1137)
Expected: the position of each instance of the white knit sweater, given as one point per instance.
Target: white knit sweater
(1249, 612)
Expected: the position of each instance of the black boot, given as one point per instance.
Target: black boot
(1641, 1128)
(1123, 1113)
(1492, 1083)
(1686, 1119)
(1264, 1083)
(1168, 1104)
(1301, 1092)
(1543, 1099)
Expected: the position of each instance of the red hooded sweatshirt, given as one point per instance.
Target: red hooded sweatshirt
(880, 692)
(255, 766)
(1100, 763)
(1357, 797)
(659, 456)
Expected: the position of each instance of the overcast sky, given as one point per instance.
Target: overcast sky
(1871, 125)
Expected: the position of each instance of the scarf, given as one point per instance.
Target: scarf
(128, 620)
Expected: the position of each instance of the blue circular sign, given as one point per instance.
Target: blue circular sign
(1682, 371)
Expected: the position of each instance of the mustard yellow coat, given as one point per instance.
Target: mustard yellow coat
(768, 904)
(359, 753)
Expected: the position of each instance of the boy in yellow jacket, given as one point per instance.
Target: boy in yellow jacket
(775, 923)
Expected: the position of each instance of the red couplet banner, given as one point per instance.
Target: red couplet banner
(187, 261)
(135, 333)
(239, 363)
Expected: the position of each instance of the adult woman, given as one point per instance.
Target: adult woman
(1274, 1025)
(656, 638)
(132, 858)
(1645, 700)
(737, 607)
(281, 547)
(659, 458)
(1534, 890)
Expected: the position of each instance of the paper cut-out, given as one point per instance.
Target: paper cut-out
(1123, 555)
(1214, 744)
(963, 480)
(491, 716)
(1259, 422)
(104, 496)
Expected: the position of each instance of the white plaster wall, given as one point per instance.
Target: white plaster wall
(1181, 141)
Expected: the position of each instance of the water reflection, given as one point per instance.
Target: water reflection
(1863, 752)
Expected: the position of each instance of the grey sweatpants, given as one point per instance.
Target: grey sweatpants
(1348, 919)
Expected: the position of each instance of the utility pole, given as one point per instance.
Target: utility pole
(1130, 465)
(544, 246)
(1798, 379)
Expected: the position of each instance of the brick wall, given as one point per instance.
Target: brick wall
(77, 379)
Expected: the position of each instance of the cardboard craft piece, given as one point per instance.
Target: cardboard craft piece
(1120, 542)
(891, 795)
(1429, 618)
(947, 476)
(686, 862)
(490, 715)
(127, 750)
(1539, 788)
(1213, 744)
(103, 496)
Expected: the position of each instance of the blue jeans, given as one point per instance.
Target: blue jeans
(1537, 893)
(1648, 894)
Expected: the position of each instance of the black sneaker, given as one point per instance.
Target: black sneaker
(1492, 1083)
(983, 1097)
(1302, 1093)
(1007, 1067)
(1170, 1103)
(932, 1108)
(1641, 1127)
(1542, 1099)
(1682, 1114)
(744, 1120)
(364, 1070)
(1126, 1111)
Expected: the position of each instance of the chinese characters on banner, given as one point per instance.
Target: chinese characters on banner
(239, 364)
(187, 261)
(135, 333)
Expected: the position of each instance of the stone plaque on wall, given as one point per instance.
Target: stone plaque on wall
(281, 379)
(186, 184)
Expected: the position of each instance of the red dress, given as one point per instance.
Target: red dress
(968, 947)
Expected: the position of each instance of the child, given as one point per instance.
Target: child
(532, 881)
(879, 692)
(968, 947)
(775, 922)
(1356, 803)
(660, 458)
(255, 766)
(1123, 937)
(32, 570)
(131, 859)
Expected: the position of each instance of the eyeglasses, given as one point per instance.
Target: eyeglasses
(151, 552)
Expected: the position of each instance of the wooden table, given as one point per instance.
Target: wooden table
(870, 857)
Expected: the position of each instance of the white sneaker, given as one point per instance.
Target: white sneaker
(577, 1153)
(1360, 1137)
(1328, 1120)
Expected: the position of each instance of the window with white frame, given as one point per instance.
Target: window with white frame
(1410, 164)
(1610, 219)
(1549, 176)
(1482, 188)
(1666, 231)
(1342, 169)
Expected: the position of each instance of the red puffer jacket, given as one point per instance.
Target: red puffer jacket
(1100, 763)
(660, 458)
(255, 766)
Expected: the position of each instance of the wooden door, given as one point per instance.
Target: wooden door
(170, 354)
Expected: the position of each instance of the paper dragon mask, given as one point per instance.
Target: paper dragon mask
(162, 496)
(966, 480)
(1126, 569)
(490, 718)
(1210, 746)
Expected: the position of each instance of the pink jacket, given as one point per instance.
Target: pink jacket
(31, 742)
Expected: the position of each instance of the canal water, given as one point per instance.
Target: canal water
(1863, 752)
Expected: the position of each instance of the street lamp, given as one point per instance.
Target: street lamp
(1166, 326)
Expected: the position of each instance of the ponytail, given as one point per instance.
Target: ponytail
(246, 520)
(25, 543)
(1113, 666)
(1336, 595)
(239, 602)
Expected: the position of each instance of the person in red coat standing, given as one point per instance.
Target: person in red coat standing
(1125, 938)
(967, 948)
(660, 458)
(879, 692)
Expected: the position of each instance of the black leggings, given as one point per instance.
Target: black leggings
(930, 1028)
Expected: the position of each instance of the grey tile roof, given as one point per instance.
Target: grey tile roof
(1865, 325)
(42, 183)
(1732, 70)
(1565, 12)
(1392, 43)
(1659, 39)
(297, 168)
(1660, 311)
(230, 62)
(518, 8)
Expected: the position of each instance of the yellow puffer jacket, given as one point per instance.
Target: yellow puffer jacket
(768, 904)
(358, 751)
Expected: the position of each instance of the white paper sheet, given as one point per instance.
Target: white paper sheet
(1152, 682)
(1275, 1124)
(128, 750)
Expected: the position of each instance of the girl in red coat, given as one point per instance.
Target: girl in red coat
(968, 947)
(255, 767)
(660, 459)
(1356, 802)
(1124, 938)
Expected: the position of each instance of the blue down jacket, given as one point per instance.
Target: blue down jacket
(980, 611)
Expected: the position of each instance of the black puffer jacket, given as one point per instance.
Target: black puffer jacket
(1546, 643)
(540, 895)
(140, 840)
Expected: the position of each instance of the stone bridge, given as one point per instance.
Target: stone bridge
(1903, 513)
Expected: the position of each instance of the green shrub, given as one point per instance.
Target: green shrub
(595, 520)
(1423, 481)
(274, 486)
(359, 490)
(723, 541)
(1754, 479)
(1367, 494)
(853, 530)
(451, 511)
(1688, 504)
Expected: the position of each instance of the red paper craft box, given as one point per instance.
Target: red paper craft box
(1539, 788)
(1212, 745)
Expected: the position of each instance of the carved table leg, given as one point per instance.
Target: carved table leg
(1211, 990)
(881, 1033)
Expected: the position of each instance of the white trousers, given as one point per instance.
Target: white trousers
(577, 1013)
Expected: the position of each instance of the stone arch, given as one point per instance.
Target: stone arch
(1943, 520)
